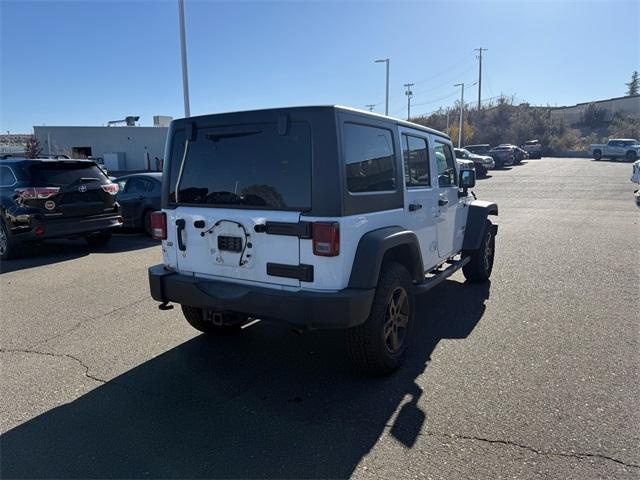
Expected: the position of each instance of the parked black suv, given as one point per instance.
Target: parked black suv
(55, 198)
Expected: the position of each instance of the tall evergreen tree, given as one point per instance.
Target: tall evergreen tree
(634, 85)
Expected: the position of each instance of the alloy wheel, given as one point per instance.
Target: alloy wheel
(396, 320)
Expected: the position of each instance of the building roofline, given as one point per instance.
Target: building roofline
(596, 101)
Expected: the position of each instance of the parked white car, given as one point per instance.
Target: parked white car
(318, 217)
(626, 148)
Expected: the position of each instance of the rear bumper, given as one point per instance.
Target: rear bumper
(306, 309)
(69, 227)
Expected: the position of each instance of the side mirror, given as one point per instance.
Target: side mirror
(467, 179)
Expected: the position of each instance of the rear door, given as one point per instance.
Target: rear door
(239, 193)
(132, 199)
(79, 188)
(420, 196)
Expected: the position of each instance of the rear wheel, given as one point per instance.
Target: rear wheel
(632, 156)
(379, 346)
(213, 323)
(98, 239)
(597, 154)
(481, 260)
(7, 248)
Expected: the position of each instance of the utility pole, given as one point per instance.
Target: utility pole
(386, 101)
(447, 120)
(370, 106)
(480, 50)
(461, 113)
(409, 94)
(183, 52)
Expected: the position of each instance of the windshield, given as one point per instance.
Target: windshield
(250, 166)
(59, 174)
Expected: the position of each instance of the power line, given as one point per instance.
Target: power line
(370, 106)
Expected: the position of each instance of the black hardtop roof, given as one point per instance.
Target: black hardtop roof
(363, 113)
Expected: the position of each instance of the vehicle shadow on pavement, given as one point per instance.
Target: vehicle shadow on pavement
(55, 251)
(264, 404)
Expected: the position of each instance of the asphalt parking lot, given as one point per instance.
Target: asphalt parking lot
(533, 376)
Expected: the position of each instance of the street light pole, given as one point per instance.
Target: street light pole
(183, 52)
(461, 113)
(386, 101)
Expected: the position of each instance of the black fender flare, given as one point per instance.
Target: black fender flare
(479, 212)
(371, 250)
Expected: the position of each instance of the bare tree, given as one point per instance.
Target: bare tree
(32, 147)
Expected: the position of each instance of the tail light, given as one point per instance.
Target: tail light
(30, 193)
(326, 239)
(111, 188)
(159, 225)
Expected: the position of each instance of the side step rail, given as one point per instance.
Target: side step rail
(440, 277)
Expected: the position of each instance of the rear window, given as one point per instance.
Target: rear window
(249, 166)
(59, 174)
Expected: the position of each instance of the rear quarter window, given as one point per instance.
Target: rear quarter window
(369, 158)
(7, 178)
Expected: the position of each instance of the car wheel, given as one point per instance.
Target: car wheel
(98, 239)
(481, 260)
(7, 249)
(481, 171)
(632, 156)
(597, 154)
(379, 345)
(146, 222)
(203, 321)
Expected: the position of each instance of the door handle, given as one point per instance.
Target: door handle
(442, 201)
(414, 206)
(180, 223)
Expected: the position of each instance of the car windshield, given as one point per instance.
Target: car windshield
(251, 166)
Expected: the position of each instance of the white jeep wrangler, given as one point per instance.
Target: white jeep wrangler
(320, 217)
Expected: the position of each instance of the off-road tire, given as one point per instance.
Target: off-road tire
(631, 156)
(195, 317)
(481, 264)
(367, 344)
(98, 239)
(7, 247)
(597, 155)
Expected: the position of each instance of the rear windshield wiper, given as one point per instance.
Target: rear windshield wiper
(216, 137)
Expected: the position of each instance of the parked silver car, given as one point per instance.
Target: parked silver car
(481, 162)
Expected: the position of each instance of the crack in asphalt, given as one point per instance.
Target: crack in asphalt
(90, 319)
(510, 443)
(57, 355)
(576, 455)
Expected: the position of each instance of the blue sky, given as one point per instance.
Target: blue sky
(87, 62)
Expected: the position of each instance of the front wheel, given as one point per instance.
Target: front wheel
(213, 323)
(481, 260)
(98, 239)
(632, 156)
(379, 345)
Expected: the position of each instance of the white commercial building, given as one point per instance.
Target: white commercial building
(124, 148)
